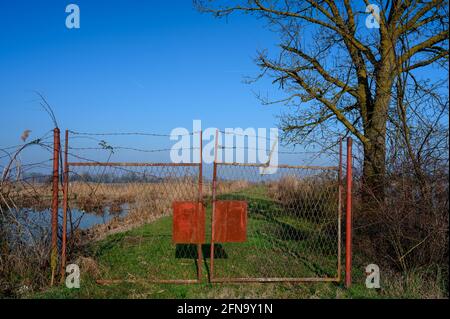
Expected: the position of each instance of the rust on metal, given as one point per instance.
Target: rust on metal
(214, 190)
(55, 202)
(188, 223)
(230, 222)
(107, 164)
(348, 217)
(65, 206)
(200, 207)
(221, 222)
(324, 168)
(263, 280)
(107, 282)
(229, 219)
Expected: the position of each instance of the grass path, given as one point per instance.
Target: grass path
(147, 253)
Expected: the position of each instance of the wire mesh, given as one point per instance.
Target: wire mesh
(134, 202)
(124, 211)
(293, 218)
(121, 190)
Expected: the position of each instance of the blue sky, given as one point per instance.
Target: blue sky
(140, 66)
(144, 66)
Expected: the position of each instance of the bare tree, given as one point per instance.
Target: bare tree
(341, 75)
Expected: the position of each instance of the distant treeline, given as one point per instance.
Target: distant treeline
(129, 177)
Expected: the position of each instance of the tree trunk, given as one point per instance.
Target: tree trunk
(374, 169)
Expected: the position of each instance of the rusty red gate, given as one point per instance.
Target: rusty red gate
(156, 215)
(273, 228)
(254, 223)
(281, 226)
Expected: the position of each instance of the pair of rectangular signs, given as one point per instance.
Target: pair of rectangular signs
(229, 223)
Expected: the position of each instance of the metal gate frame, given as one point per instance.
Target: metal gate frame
(212, 278)
(67, 166)
(348, 244)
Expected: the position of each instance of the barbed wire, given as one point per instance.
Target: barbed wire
(163, 134)
(130, 133)
(113, 148)
(246, 135)
(264, 149)
(37, 141)
(88, 135)
(37, 163)
(82, 158)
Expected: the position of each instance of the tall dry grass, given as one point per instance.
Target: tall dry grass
(24, 237)
(312, 198)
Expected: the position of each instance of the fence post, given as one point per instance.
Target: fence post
(214, 185)
(65, 206)
(55, 200)
(348, 217)
(340, 192)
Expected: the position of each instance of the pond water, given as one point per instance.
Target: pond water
(87, 220)
(40, 221)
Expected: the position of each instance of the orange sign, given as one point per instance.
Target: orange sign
(188, 223)
(230, 222)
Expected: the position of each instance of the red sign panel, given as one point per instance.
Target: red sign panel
(230, 222)
(188, 223)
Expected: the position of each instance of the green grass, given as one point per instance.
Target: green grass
(147, 253)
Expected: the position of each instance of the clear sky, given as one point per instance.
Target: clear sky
(145, 66)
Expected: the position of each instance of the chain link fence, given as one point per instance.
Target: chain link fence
(124, 210)
(163, 222)
(134, 202)
(292, 218)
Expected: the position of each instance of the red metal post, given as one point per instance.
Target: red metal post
(200, 203)
(55, 201)
(65, 206)
(348, 217)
